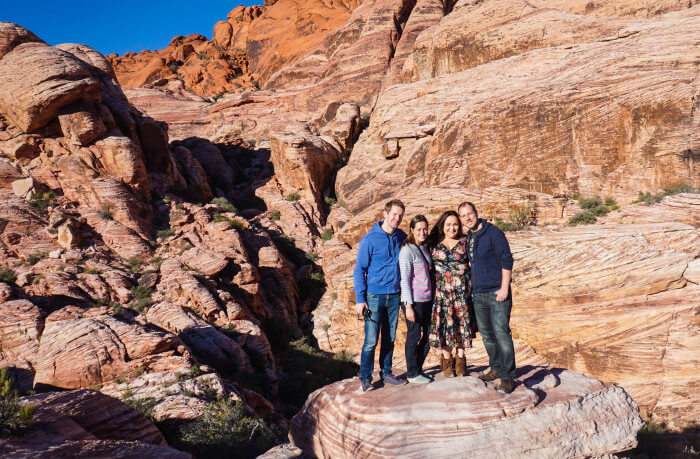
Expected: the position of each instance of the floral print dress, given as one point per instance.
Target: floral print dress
(450, 321)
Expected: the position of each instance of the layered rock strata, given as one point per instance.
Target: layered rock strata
(566, 414)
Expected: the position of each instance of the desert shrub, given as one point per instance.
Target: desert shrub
(599, 210)
(610, 201)
(164, 234)
(330, 202)
(504, 225)
(275, 215)
(134, 264)
(582, 218)
(310, 256)
(224, 204)
(678, 188)
(14, 416)
(179, 206)
(142, 298)
(327, 234)
(589, 203)
(237, 225)
(42, 200)
(105, 212)
(195, 371)
(142, 405)
(36, 257)
(8, 276)
(227, 429)
(291, 197)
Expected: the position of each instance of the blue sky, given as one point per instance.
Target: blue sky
(117, 26)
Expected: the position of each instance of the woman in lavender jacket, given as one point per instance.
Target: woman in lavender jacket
(415, 265)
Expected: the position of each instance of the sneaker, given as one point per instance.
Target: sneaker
(507, 386)
(490, 376)
(393, 380)
(419, 379)
(366, 385)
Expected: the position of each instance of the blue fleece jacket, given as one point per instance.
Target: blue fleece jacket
(377, 265)
(491, 255)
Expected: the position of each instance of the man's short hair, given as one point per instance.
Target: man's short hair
(394, 203)
(467, 203)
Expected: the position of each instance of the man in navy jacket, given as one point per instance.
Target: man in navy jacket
(377, 288)
(491, 264)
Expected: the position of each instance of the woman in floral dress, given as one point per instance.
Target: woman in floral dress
(449, 329)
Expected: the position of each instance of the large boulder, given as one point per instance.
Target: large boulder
(552, 413)
(37, 80)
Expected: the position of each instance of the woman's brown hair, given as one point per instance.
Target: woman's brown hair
(438, 232)
(414, 221)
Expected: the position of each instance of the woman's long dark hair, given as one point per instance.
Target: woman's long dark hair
(414, 221)
(438, 232)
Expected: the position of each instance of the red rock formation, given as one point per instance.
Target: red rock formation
(87, 423)
(566, 414)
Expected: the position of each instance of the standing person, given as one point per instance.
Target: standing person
(491, 269)
(415, 264)
(377, 286)
(449, 328)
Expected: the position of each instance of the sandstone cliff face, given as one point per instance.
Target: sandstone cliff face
(546, 111)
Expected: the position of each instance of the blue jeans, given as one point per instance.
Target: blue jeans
(385, 316)
(493, 318)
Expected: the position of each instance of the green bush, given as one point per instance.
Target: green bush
(330, 202)
(275, 215)
(227, 429)
(589, 203)
(237, 225)
(105, 213)
(14, 416)
(327, 234)
(678, 188)
(42, 200)
(610, 201)
(164, 234)
(8, 276)
(311, 256)
(37, 256)
(292, 197)
(503, 225)
(224, 204)
(599, 210)
(582, 218)
(142, 405)
(648, 198)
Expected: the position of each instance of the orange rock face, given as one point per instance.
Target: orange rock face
(245, 50)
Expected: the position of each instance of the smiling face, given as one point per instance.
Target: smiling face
(468, 217)
(451, 227)
(420, 232)
(392, 219)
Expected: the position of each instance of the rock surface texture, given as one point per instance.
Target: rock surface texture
(86, 423)
(566, 414)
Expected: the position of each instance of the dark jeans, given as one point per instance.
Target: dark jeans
(385, 317)
(417, 337)
(493, 318)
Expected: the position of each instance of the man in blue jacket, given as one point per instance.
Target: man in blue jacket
(491, 265)
(377, 289)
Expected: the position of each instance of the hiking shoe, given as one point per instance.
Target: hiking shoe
(366, 385)
(490, 376)
(507, 386)
(419, 379)
(393, 380)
